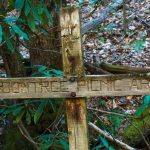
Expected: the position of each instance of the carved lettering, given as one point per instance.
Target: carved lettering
(145, 84)
(95, 85)
(83, 85)
(24, 88)
(15, 87)
(45, 87)
(5, 87)
(55, 86)
(135, 84)
(116, 85)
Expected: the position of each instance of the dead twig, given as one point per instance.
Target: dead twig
(26, 134)
(111, 113)
(110, 138)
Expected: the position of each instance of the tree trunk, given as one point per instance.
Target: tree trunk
(12, 62)
(45, 50)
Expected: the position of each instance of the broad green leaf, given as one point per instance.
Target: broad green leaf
(19, 4)
(31, 22)
(9, 44)
(1, 33)
(56, 72)
(104, 141)
(139, 45)
(27, 8)
(111, 148)
(147, 99)
(39, 111)
(36, 15)
(17, 110)
(47, 13)
(98, 147)
(10, 19)
(139, 111)
(19, 116)
(28, 118)
(102, 39)
(40, 7)
(8, 110)
(43, 30)
(42, 68)
(64, 143)
(46, 145)
(19, 31)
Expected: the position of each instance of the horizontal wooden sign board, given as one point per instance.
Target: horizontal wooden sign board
(61, 87)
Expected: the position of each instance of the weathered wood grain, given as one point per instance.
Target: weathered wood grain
(71, 41)
(73, 65)
(61, 87)
(77, 125)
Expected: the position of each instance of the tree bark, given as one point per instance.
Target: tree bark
(12, 62)
(45, 50)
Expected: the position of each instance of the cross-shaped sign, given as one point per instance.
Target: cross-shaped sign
(74, 86)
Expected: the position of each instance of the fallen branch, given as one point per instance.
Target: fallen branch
(94, 69)
(118, 69)
(110, 138)
(94, 23)
(142, 21)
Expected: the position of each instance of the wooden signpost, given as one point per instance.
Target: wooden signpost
(74, 86)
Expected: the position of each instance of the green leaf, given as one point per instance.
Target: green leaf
(19, 4)
(64, 143)
(48, 15)
(28, 118)
(9, 44)
(1, 33)
(147, 99)
(19, 116)
(111, 148)
(10, 19)
(98, 147)
(27, 7)
(55, 72)
(47, 12)
(31, 22)
(104, 141)
(102, 39)
(43, 30)
(40, 8)
(139, 45)
(139, 111)
(36, 15)
(19, 32)
(8, 111)
(39, 111)
(17, 110)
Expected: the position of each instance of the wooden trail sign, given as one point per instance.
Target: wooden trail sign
(74, 86)
(63, 87)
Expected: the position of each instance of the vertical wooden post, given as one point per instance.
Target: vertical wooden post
(73, 66)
